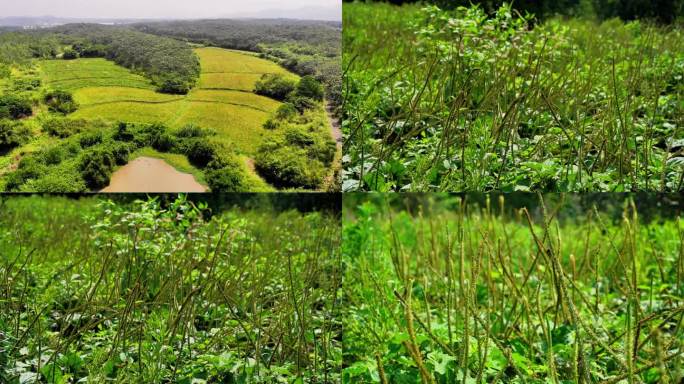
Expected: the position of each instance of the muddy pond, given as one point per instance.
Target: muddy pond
(147, 174)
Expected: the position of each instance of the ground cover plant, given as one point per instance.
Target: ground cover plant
(565, 289)
(99, 77)
(167, 290)
(462, 99)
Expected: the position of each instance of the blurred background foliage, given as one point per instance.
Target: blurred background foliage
(663, 11)
(652, 207)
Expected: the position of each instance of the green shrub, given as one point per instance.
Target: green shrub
(91, 50)
(226, 174)
(288, 167)
(165, 142)
(156, 135)
(301, 103)
(25, 85)
(13, 134)
(63, 127)
(28, 168)
(192, 130)
(5, 71)
(96, 167)
(61, 102)
(14, 107)
(299, 137)
(53, 155)
(298, 155)
(271, 124)
(228, 179)
(310, 87)
(123, 133)
(275, 86)
(57, 180)
(199, 152)
(70, 54)
(174, 86)
(286, 111)
(121, 152)
(90, 139)
(147, 135)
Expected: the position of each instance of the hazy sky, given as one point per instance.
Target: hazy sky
(155, 8)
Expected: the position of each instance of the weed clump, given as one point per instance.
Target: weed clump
(459, 288)
(156, 272)
(463, 100)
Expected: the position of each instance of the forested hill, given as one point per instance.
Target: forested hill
(303, 47)
(249, 34)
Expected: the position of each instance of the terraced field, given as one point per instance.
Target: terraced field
(222, 101)
(71, 75)
(233, 70)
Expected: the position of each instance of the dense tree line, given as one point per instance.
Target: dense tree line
(303, 47)
(20, 47)
(248, 35)
(665, 11)
(662, 10)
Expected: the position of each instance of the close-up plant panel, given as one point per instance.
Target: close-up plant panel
(167, 290)
(479, 289)
(537, 96)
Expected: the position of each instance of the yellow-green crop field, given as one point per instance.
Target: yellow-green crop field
(232, 70)
(223, 101)
(234, 123)
(83, 73)
(219, 60)
(247, 99)
(99, 95)
(228, 81)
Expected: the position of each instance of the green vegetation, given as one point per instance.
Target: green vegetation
(275, 86)
(14, 107)
(97, 94)
(445, 289)
(303, 47)
(69, 54)
(170, 64)
(90, 152)
(299, 152)
(12, 134)
(90, 72)
(663, 11)
(167, 290)
(310, 88)
(61, 101)
(455, 100)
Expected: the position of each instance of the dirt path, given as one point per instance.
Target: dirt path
(147, 174)
(249, 162)
(330, 183)
(335, 127)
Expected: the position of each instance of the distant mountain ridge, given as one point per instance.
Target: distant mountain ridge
(331, 13)
(47, 21)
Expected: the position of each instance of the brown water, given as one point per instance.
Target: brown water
(147, 174)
